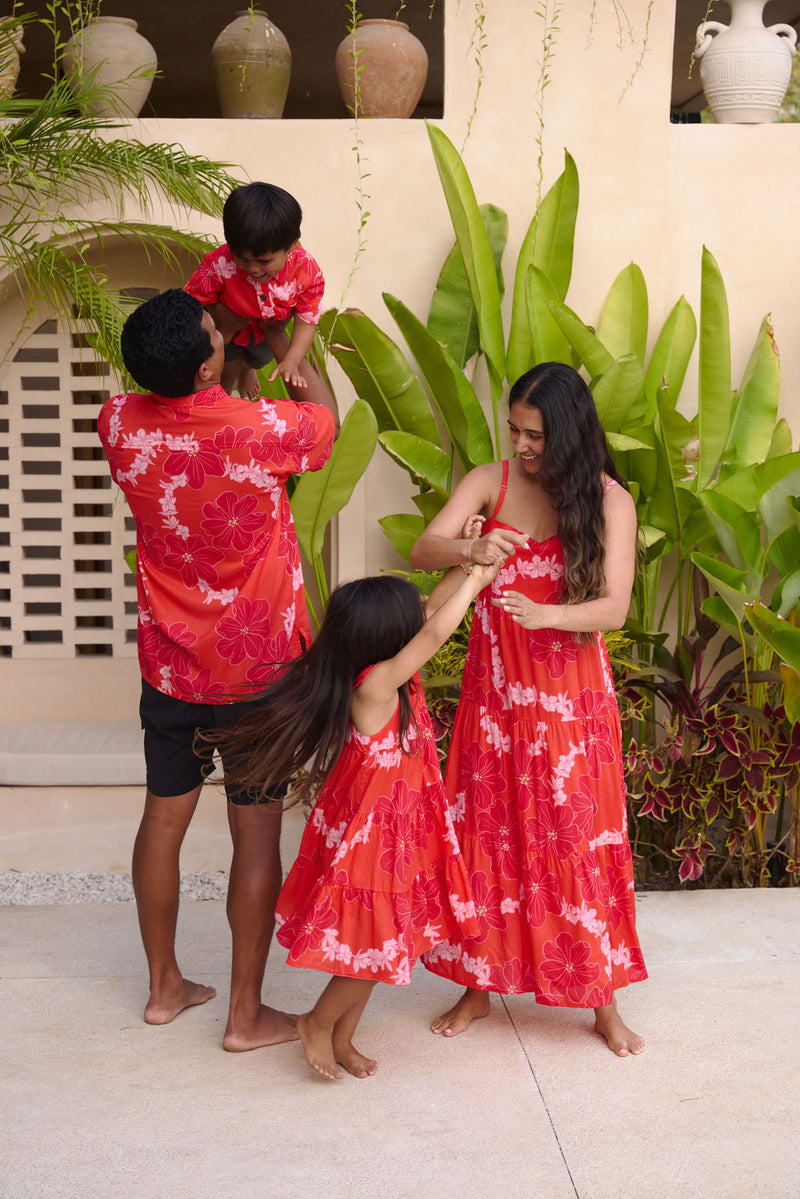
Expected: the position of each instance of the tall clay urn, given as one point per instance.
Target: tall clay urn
(745, 66)
(124, 63)
(391, 66)
(10, 49)
(252, 65)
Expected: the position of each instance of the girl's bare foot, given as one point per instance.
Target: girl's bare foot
(164, 1008)
(618, 1036)
(354, 1062)
(270, 1027)
(473, 1005)
(318, 1046)
(247, 384)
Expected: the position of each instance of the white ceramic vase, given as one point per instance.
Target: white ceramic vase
(745, 66)
(125, 64)
(252, 64)
(10, 49)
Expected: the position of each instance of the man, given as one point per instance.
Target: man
(220, 594)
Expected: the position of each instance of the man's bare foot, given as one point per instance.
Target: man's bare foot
(168, 1005)
(354, 1062)
(318, 1047)
(247, 384)
(618, 1036)
(270, 1027)
(473, 1005)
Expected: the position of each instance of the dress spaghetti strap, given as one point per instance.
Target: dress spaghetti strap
(503, 489)
(611, 483)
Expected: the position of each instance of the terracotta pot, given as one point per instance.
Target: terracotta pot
(10, 49)
(393, 66)
(125, 62)
(745, 66)
(252, 65)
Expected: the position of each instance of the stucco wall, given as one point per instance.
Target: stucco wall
(651, 192)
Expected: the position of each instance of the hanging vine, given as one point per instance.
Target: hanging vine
(477, 44)
(362, 195)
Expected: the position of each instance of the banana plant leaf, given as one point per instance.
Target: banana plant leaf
(381, 375)
(452, 318)
(402, 530)
(421, 458)
(715, 398)
(583, 340)
(619, 394)
(546, 342)
(736, 587)
(784, 551)
(430, 504)
(753, 423)
(450, 390)
(781, 443)
(670, 357)
(736, 529)
(786, 595)
(476, 253)
(779, 635)
(548, 247)
(749, 486)
(623, 322)
(791, 692)
(320, 495)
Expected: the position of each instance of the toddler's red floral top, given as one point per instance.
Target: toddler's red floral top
(219, 582)
(296, 290)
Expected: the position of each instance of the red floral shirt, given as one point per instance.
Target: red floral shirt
(218, 575)
(297, 289)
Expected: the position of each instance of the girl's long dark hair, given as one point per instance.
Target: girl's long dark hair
(575, 458)
(305, 717)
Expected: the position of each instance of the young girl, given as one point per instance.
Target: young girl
(379, 878)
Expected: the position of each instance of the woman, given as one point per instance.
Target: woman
(534, 774)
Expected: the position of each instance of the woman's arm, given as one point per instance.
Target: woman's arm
(442, 545)
(610, 609)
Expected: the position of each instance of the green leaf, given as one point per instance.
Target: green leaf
(475, 249)
(736, 529)
(320, 495)
(749, 486)
(619, 394)
(715, 400)
(381, 375)
(546, 342)
(583, 340)
(786, 595)
(621, 442)
(623, 322)
(403, 529)
(421, 458)
(450, 390)
(753, 423)
(547, 246)
(791, 692)
(736, 587)
(430, 504)
(671, 353)
(452, 319)
(779, 635)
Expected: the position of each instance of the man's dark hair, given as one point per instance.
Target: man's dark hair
(260, 218)
(164, 344)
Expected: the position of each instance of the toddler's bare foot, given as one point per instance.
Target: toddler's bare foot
(269, 1027)
(618, 1036)
(247, 384)
(354, 1062)
(473, 1005)
(318, 1047)
(163, 1009)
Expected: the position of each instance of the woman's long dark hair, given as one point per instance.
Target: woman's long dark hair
(305, 718)
(575, 458)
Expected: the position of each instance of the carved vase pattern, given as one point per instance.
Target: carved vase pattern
(745, 66)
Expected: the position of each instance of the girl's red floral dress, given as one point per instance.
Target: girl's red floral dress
(534, 779)
(379, 877)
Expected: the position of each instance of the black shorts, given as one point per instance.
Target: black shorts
(255, 353)
(170, 725)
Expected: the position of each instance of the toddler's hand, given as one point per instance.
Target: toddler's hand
(472, 527)
(289, 371)
(484, 574)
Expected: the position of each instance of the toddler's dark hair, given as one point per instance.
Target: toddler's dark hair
(260, 218)
(163, 343)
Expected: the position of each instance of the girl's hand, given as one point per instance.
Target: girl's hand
(525, 612)
(289, 371)
(472, 528)
(483, 575)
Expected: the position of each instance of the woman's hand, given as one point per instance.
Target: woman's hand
(495, 546)
(525, 612)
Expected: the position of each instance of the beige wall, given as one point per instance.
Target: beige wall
(651, 192)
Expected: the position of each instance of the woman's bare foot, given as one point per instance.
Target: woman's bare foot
(354, 1062)
(270, 1027)
(168, 1005)
(473, 1005)
(318, 1046)
(618, 1036)
(247, 384)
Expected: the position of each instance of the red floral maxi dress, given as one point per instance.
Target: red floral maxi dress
(379, 877)
(534, 779)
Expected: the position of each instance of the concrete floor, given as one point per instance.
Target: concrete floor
(529, 1104)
